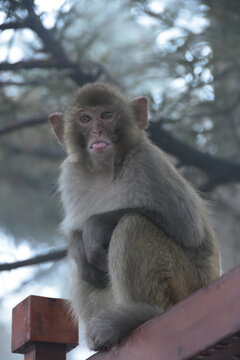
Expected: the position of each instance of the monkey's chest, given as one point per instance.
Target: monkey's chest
(87, 198)
(101, 197)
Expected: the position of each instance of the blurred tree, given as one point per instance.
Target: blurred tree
(182, 54)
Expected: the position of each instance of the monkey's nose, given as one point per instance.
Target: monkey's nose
(97, 132)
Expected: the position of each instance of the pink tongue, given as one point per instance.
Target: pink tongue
(100, 145)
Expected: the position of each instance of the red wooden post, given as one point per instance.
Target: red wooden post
(42, 329)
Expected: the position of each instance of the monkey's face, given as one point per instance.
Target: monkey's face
(100, 134)
(100, 124)
(98, 127)
(96, 135)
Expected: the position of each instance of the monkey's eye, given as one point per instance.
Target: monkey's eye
(84, 118)
(106, 115)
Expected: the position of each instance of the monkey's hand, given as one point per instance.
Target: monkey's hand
(96, 234)
(92, 272)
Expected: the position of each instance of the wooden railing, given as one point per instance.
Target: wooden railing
(204, 326)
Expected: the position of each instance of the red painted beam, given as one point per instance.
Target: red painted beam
(208, 319)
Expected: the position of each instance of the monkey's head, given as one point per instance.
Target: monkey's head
(100, 123)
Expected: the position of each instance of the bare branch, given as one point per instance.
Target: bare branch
(54, 47)
(13, 25)
(219, 170)
(39, 81)
(42, 273)
(33, 64)
(227, 110)
(22, 124)
(18, 178)
(39, 259)
(40, 152)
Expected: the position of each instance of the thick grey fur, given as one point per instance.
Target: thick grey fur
(146, 180)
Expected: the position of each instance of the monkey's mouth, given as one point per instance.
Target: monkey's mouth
(99, 145)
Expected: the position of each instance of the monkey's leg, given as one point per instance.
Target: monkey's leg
(149, 273)
(88, 300)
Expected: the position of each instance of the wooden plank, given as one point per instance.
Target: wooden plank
(228, 349)
(40, 319)
(206, 318)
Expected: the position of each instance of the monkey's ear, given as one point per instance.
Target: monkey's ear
(56, 121)
(140, 108)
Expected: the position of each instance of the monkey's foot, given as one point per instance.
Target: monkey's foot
(102, 332)
(110, 326)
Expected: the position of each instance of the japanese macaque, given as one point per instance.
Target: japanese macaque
(138, 233)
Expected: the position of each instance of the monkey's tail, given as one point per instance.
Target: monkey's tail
(110, 326)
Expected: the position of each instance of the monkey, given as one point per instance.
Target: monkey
(138, 233)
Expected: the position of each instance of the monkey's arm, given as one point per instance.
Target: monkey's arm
(89, 247)
(97, 230)
(94, 272)
(95, 238)
(91, 244)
